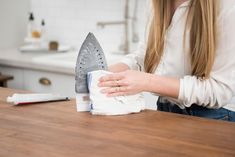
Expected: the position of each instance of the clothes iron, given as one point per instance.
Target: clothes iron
(90, 58)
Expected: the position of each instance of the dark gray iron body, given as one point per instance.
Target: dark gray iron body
(90, 58)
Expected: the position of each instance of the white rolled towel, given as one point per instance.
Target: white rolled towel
(18, 99)
(103, 105)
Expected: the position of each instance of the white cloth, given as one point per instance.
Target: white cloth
(103, 105)
(218, 90)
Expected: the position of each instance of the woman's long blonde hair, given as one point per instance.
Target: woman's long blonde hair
(201, 22)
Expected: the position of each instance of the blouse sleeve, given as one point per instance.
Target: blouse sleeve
(135, 60)
(218, 90)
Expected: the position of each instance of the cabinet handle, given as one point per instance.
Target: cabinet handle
(45, 81)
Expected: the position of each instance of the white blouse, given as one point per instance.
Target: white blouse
(215, 92)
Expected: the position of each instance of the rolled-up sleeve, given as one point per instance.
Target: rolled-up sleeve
(218, 90)
(135, 60)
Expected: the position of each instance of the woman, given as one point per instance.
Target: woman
(188, 59)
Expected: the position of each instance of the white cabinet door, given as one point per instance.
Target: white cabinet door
(45, 82)
(18, 81)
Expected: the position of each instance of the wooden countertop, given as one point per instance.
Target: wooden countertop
(57, 130)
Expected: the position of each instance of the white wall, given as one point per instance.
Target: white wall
(70, 20)
(13, 22)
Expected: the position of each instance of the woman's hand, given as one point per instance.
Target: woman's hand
(128, 82)
(118, 67)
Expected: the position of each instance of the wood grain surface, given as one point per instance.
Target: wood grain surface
(57, 130)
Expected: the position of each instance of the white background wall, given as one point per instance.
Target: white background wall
(13, 22)
(70, 20)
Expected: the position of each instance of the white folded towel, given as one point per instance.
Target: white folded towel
(103, 105)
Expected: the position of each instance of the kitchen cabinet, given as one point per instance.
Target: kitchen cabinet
(44, 82)
(40, 81)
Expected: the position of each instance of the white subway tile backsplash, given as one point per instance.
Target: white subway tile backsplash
(68, 21)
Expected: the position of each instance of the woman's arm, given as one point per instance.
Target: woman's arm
(132, 82)
(165, 86)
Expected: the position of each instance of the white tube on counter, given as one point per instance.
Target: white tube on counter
(18, 99)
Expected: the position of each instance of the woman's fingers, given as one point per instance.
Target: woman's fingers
(123, 83)
(114, 83)
(108, 84)
(111, 77)
(115, 90)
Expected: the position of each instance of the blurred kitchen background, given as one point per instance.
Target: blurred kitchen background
(38, 51)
